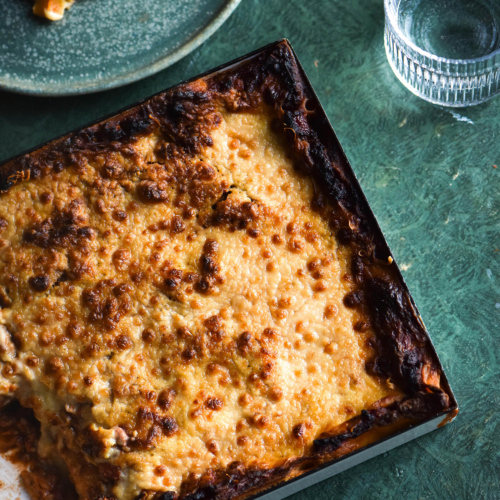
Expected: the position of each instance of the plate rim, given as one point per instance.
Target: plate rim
(134, 75)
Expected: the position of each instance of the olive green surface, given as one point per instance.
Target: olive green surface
(428, 174)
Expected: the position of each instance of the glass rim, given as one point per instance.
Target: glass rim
(391, 18)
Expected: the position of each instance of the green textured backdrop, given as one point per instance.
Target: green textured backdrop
(428, 174)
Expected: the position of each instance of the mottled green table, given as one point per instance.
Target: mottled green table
(428, 174)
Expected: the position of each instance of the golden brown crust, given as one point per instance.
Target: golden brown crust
(146, 333)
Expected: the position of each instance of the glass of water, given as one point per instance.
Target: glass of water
(445, 51)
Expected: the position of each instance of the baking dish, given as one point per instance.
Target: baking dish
(209, 307)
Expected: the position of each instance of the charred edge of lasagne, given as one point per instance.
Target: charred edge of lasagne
(238, 481)
(184, 117)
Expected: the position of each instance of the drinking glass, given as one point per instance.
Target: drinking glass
(445, 51)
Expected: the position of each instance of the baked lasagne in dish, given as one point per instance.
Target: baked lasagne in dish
(51, 9)
(196, 302)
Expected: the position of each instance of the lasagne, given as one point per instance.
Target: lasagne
(196, 302)
(51, 9)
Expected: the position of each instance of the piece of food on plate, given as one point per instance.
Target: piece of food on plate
(196, 302)
(51, 9)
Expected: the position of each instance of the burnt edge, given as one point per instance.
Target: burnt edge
(274, 76)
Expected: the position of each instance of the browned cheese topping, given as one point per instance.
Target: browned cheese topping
(173, 303)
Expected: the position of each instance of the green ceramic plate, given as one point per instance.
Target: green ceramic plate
(100, 44)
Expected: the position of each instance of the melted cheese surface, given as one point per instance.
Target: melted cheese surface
(252, 371)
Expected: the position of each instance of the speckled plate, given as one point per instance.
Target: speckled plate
(100, 44)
